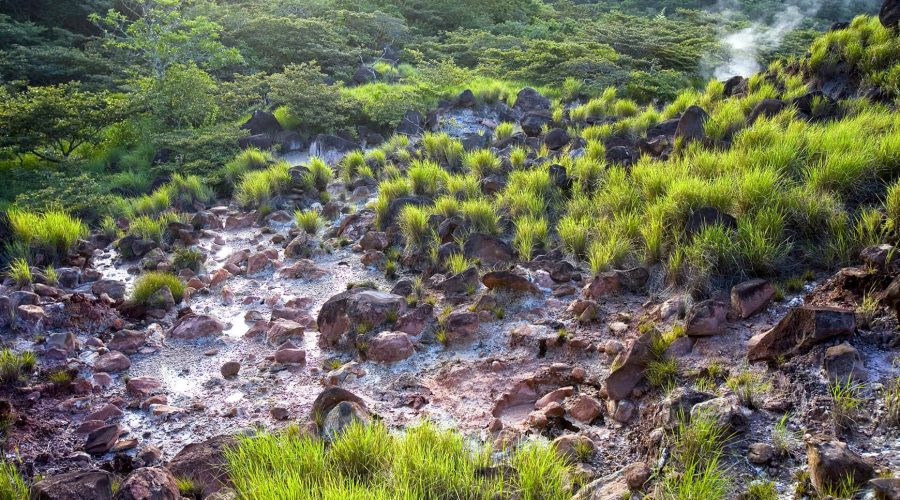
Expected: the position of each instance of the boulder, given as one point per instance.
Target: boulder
(204, 463)
(629, 369)
(127, 341)
(708, 216)
(411, 124)
(373, 307)
(327, 146)
(691, 125)
(328, 399)
(557, 139)
(705, 319)
(725, 411)
(112, 362)
(290, 354)
(832, 462)
(800, 329)
(750, 297)
(843, 362)
(149, 483)
(341, 416)
(889, 15)
(533, 123)
(616, 281)
(736, 85)
(508, 280)
(622, 155)
(195, 326)
(887, 488)
(282, 329)
(760, 453)
(101, 440)
(414, 322)
(262, 122)
(112, 288)
(390, 347)
(258, 141)
(461, 324)
(489, 250)
(460, 284)
(79, 485)
(529, 100)
(572, 447)
(230, 369)
(766, 108)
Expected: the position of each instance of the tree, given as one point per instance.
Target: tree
(184, 97)
(53, 121)
(317, 106)
(162, 33)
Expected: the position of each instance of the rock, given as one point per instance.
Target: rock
(630, 370)
(761, 453)
(725, 411)
(752, 296)
(557, 139)
(332, 320)
(691, 125)
(624, 410)
(142, 386)
(889, 15)
(330, 147)
(887, 488)
(528, 100)
(554, 396)
(637, 474)
(112, 362)
(258, 141)
(533, 123)
(204, 463)
(31, 318)
(843, 363)
(832, 462)
(102, 439)
(411, 124)
(281, 330)
(375, 240)
(195, 326)
(389, 347)
(132, 247)
(372, 307)
(288, 353)
(303, 269)
(705, 319)
(68, 277)
(257, 263)
(766, 108)
(800, 329)
(736, 85)
(460, 284)
(107, 412)
(79, 485)
(585, 409)
(341, 416)
(329, 398)
(149, 483)
(414, 323)
(64, 341)
(616, 281)
(574, 447)
(508, 280)
(708, 216)
(112, 288)
(127, 341)
(461, 324)
(489, 250)
(877, 256)
(230, 369)
(622, 155)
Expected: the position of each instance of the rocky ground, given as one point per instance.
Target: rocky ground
(279, 326)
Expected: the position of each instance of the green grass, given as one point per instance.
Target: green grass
(246, 161)
(12, 484)
(309, 220)
(188, 258)
(149, 283)
(54, 231)
(480, 213)
(351, 164)
(14, 366)
(458, 263)
(320, 174)
(259, 186)
(481, 162)
(504, 130)
(697, 472)
(147, 228)
(189, 488)
(368, 461)
(426, 177)
(892, 402)
(762, 490)
(749, 387)
(20, 272)
(782, 438)
(847, 401)
(530, 232)
(413, 222)
(443, 149)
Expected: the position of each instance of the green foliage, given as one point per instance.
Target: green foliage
(247, 160)
(320, 174)
(309, 220)
(748, 386)
(184, 96)
(151, 282)
(314, 105)
(530, 232)
(367, 460)
(413, 222)
(426, 177)
(259, 186)
(12, 485)
(847, 401)
(481, 162)
(56, 121)
(762, 490)
(481, 215)
(20, 272)
(188, 258)
(14, 366)
(53, 231)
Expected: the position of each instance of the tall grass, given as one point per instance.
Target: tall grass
(246, 161)
(12, 485)
(413, 222)
(259, 186)
(368, 461)
(53, 231)
(151, 282)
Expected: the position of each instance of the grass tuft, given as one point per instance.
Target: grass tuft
(149, 283)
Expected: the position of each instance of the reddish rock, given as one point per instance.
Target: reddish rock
(630, 370)
(585, 409)
(303, 269)
(149, 483)
(461, 324)
(616, 281)
(802, 328)
(204, 463)
(374, 240)
(219, 277)
(83, 484)
(705, 319)
(414, 322)
(508, 280)
(230, 369)
(127, 341)
(574, 447)
(107, 412)
(257, 263)
(283, 329)
(832, 462)
(102, 440)
(390, 347)
(141, 386)
(112, 362)
(750, 297)
(288, 353)
(194, 326)
(554, 396)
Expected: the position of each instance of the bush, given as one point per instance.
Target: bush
(314, 105)
(151, 282)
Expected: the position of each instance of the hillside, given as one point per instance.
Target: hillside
(419, 249)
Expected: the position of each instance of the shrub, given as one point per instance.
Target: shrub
(151, 282)
(258, 187)
(53, 231)
(309, 220)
